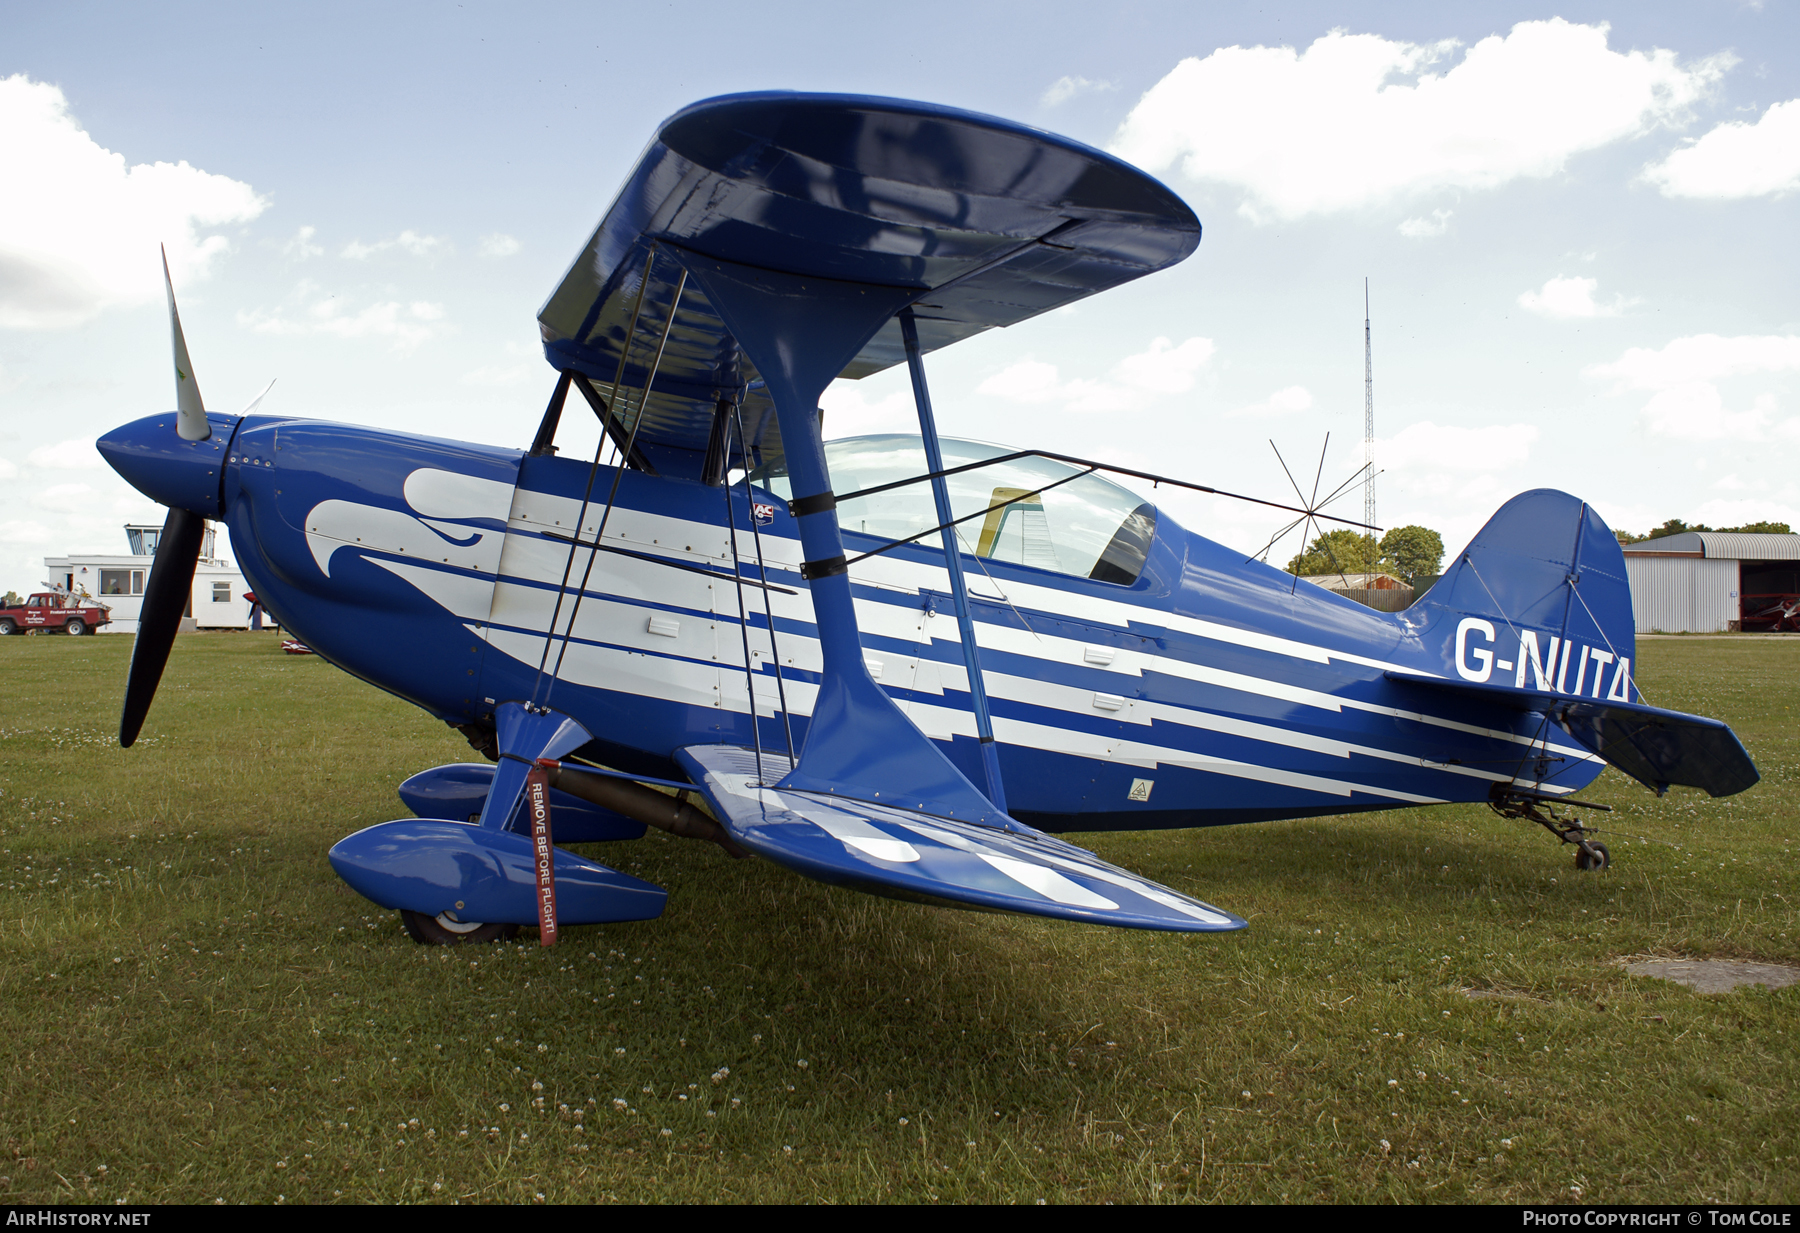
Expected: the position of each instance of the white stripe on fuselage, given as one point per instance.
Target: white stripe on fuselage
(609, 615)
(1134, 664)
(907, 577)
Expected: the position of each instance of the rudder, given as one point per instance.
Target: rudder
(1539, 601)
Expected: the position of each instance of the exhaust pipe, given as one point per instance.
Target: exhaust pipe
(646, 805)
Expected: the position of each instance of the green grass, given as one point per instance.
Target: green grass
(195, 1008)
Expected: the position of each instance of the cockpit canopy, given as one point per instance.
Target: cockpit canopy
(1042, 514)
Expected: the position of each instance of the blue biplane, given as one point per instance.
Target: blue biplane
(897, 663)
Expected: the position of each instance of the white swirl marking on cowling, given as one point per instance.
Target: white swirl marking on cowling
(436, 532)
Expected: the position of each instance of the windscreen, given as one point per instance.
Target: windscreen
(1035, 514)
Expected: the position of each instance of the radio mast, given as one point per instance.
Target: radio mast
(1368, 418)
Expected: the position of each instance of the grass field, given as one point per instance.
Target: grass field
(195, 1008)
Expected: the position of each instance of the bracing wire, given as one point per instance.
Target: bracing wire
(588, 493)
(762, 569)
(612, 496)
(743, 616)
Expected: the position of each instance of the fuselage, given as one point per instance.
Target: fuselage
(1204, 689)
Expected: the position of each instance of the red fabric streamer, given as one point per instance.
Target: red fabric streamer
(537, 797)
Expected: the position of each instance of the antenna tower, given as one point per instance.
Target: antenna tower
(1368, 417)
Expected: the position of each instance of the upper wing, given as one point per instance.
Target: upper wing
(991, 221)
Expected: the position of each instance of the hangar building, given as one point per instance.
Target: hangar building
(1702, 582)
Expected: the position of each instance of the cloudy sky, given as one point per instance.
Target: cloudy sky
(1578, 224)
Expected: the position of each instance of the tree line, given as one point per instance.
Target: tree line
(1407, 553)
(1414, 552)
(1676, 526)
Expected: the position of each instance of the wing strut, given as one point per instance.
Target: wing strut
(799, 331)
(544, 442)
(965, 623)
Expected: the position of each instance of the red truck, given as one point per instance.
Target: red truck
(48, 610)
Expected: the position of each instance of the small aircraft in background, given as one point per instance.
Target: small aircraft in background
(899, 663)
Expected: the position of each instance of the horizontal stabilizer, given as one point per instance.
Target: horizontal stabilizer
(1653, 746)
(430, 865)
(904, 854)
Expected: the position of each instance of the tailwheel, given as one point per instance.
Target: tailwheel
(1551, 814)
(445, 930)
(1591, 855)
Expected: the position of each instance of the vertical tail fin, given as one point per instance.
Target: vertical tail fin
(1536, 613)
(1538, 601)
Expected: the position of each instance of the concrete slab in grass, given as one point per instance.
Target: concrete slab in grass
(1716, 975)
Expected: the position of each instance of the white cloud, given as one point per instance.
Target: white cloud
(1098, 397)
(523, 363)
(1447, 489)
(77, 454)
(301, 246)
(1162, 368)
(1166, 368)
(1695, 411)
(1066, 88)
(1356, 118)
(1570, 297)
(1426, 228)
(68, 498)
(1281, 402)
(406, 324)
(1737, 159)
(1727, 512)
(850, 413)
(8, 469)
(408, 241)
(1430, 447)
(1028, 381)
(498, 244)
(1700, 357)
(1687, 404)
(79, 228)
(494, 375)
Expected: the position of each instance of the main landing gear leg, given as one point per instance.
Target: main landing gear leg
(454, 882)
(523, 733)
(1510, 802)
